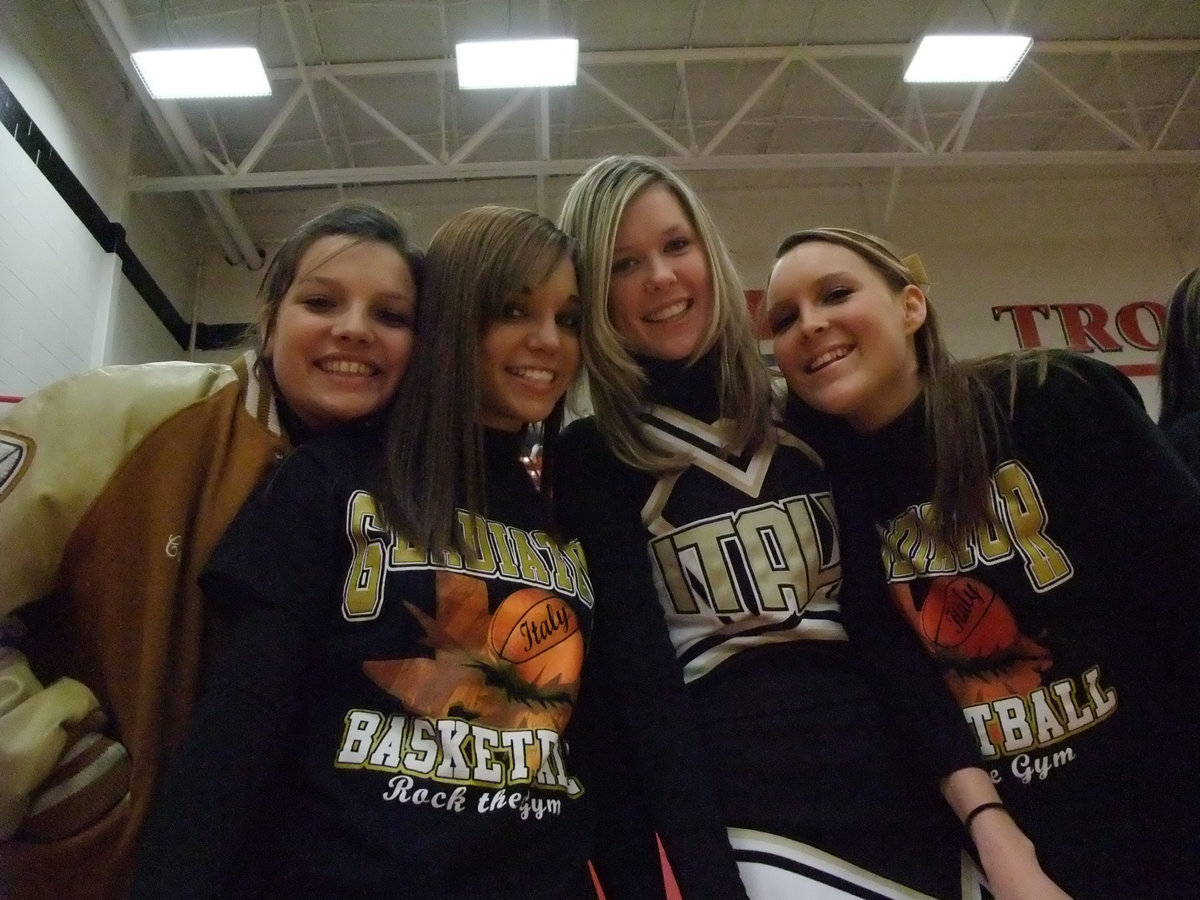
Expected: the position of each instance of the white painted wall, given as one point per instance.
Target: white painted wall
(64, 305)
(50, 300)
(167, 233)
(54, 279)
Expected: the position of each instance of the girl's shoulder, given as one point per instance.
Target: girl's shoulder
(1049, 374)
(587, 471)
(139, 394)
(580, 443)
(331, 464)
(1065, 393)
(1073, 374)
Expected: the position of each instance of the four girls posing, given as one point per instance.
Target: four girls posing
(396, 705)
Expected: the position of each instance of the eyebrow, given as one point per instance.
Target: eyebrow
(666, 232)
(323, 280)
(310, 278)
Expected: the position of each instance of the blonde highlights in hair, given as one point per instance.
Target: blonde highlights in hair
(592, 211)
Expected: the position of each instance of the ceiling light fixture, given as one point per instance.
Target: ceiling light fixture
(543, 62)
(202, 72)
(967, 57)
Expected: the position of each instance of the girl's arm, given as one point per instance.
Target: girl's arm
(914, 693)
(1007, 855)
(272, 573)
(921, 706)
(653, 767)
(653, 751)
(194, 843)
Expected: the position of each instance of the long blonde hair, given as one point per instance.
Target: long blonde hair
(592, 212)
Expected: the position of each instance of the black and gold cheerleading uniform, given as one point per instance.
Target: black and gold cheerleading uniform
(727, 576)
(384, 725)
(1066, 630)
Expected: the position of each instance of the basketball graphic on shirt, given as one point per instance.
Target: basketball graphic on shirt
(537, 633)
(975, 638)
(516, 666)
(963, 614)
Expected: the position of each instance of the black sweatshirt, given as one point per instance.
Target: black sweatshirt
(1067, 632)
(383, 726)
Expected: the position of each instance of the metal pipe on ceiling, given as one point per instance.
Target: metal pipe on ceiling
(177, 138)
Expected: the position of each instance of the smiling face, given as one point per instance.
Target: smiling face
(341, 339)
(529, 356)
(661, 294)
(843, 337)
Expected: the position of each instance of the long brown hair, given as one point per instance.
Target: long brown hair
(476, 263)
(592, 212)
(966, 421)
(1179, 357)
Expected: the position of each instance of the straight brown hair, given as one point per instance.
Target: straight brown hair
(966, 421)
(477, 262)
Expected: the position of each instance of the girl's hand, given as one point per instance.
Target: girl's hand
(1007, 855)
(1009, 859)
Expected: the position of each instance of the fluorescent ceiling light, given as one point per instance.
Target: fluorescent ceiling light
(967, 57)
(207, 72)
(547, 62)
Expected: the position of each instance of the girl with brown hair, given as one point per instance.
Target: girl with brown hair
(117, 485)
(1037, 533)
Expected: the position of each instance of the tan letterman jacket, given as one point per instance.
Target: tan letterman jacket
(115, 485)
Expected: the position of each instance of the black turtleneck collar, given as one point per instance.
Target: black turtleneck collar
(500, 445)
(905, 432)
(294, 429)
(691, 389)
(297, 432)
(901, 444)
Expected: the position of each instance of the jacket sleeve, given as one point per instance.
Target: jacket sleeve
(916, 698)
(47, 484)
(647, 748)
(47, 487)
(35, 728)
